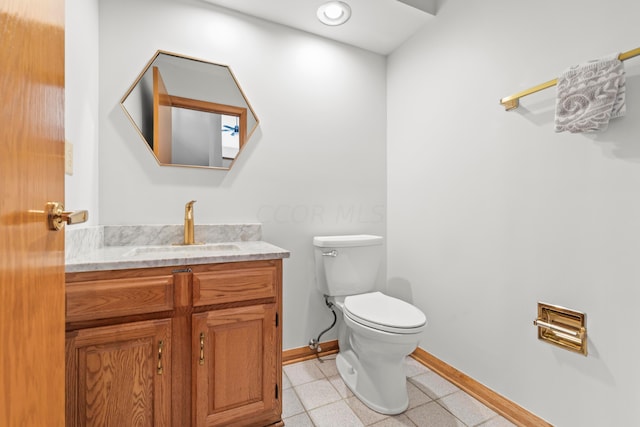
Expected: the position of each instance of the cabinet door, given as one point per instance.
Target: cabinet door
(236, 372)
(120, 375)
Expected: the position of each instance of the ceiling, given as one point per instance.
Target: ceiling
(379, 26)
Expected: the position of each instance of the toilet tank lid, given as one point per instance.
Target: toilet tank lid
(347, 241)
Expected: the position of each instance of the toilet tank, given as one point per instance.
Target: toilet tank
(347, 265)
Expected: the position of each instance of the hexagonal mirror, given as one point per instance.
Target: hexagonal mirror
(190, 112)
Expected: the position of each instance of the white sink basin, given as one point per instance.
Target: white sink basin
(181, 250)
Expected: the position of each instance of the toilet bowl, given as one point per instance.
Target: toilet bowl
(371, 359)
(376, 331)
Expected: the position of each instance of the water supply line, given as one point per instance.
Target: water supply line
(314, 344)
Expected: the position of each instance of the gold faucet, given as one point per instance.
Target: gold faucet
(189, 234)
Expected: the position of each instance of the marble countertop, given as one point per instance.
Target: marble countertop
(122, 253)
(124, 257)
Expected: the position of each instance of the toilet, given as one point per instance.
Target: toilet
(377, 331)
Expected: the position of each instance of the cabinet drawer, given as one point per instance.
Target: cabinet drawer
(101, 299)
(234, 285)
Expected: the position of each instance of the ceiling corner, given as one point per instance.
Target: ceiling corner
(429, 6)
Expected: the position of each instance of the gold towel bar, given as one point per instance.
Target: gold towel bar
(512, 102)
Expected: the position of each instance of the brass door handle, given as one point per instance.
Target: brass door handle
(57, 217)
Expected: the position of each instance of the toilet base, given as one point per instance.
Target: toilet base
(383, 390)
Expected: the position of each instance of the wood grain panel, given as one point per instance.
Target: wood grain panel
(31, 174)
(114, 376)
(101, 299)
(230, 284)
(86, 276)
(243, 332)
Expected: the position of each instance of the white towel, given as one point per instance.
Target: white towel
(589, 95)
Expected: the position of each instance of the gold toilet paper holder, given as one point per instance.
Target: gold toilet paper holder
(562, 327)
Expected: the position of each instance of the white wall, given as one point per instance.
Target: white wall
(316, 164)
(490, 211)
(81, 105)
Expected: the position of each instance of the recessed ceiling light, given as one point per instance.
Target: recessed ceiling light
(334, 13)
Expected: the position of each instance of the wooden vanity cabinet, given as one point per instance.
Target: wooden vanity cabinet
(175, 346)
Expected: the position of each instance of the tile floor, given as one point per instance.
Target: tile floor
(314, 395)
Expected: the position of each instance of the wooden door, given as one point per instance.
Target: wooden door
(120, 375)
(31, 174)
(235, 367)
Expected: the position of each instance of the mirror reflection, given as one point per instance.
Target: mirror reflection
(190, 112)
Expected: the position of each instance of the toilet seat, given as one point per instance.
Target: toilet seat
(385, 313)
